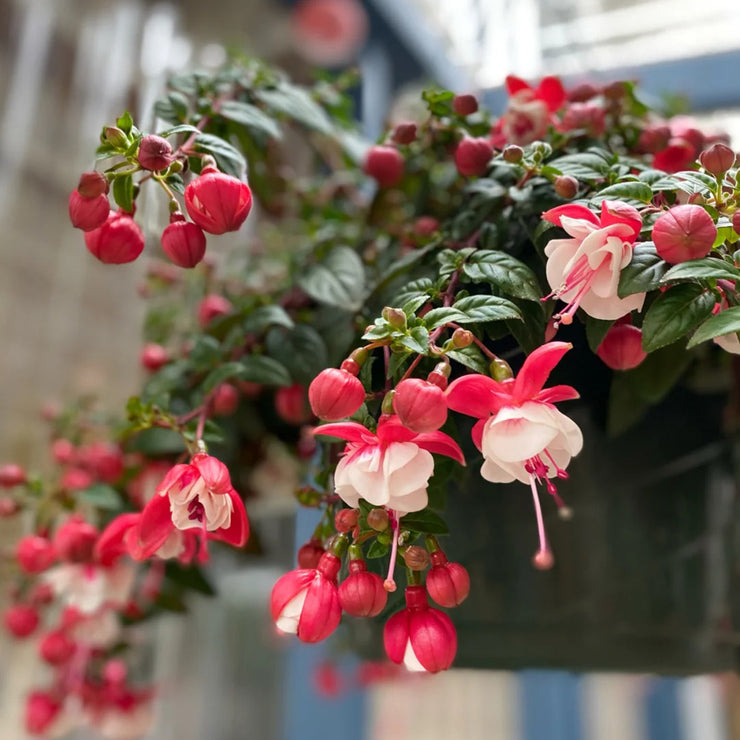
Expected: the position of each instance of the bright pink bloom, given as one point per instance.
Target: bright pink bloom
(21, 620)
(684, 233)
(197, 497)
(56, 647)
(225, 400)
(88, 213)
(390, 468)
(155, 153)
(218, 202)
(75, 540)
(420, 636)
(183, 242)
(211, 307)
(584, 271)
(421, 406)
(447, 583)
(35, 554)
(472, 156)
(621, 347)
(305, 602)
(521, 433)
(335, 394)
(12, 475)
(118, 241)
(41, 711)
(384, 164)
(361, 594)
(329, 32)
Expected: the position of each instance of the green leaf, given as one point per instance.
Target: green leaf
(631, 190)
(487, 308)
(173, 108)
(377, 550)
(182, 128)
(596, 330)
(584, 166)
(422, 288)
(230, 160)
(103, 497)
(704, 268)
(674, 313)
(470, 357)
(438, 101)
(263, 369)
(123, 192)
(220, 374)
(414, 304)
(417, 340)
(125, 123)
(529, 333)
(439, 316)
(264, 316)
(297, 104)
(250, 116)
(425, 521)
(339, 280)
(301, 350)
(503, 271)
(725, 322)
(190, 578)
(157, 441)
(644, 272)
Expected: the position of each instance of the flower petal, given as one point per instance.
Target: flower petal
(440, 444)
(472, 395)
(237, 532)
(551, 90)
(349, 430)
(155, 525)
(516, 84)
(537, 368)
(111, 544)
(572, 211)
(214, 473)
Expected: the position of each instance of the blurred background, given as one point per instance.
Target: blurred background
(70, 326)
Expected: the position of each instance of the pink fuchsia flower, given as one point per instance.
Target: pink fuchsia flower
(35, 553)
(472, 156)
(684, 233)
(584, 271)
(183, 242)
(419, 636)
(21, 620)
(198, 498)
(421, 406)
(218, 202)
(335, 394)
(305, 602)
(521, 434)
(117, 241)
(389, 468)
(362, 594)
(621, 347)
(384, 164)
(447, 583)
(88, 587)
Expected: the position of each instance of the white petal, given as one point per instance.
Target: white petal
(492, 471)
(511, 437)
(415, 472)
(414, 501)
(288, 620)
(729, 343)
(410, 661)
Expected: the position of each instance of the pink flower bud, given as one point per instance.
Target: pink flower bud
(384, 164)
(736, 222)
(404, 133)
(425, 226)
(676, 156)
(310, 553)
(290, 404)
(155, 153)
(56, 648)
(183, 242)
(464, 105)
(75, 540)
(654, 138)
(11, 475)
(335, 394)
(34, 554)
(118, 241)
(621, 347)
(566, 186)
(21, 620)
(88, 213)
(717, 159)
(218, 202)
(153, 357)
(513, 154)
(448, 583)
(472, 156)
(582, 92)
(588, 117)
(63, 451)
(92, 184)
(421, 406)
(346, 519)
(41, 711)
(211, 307)
(225, 400)
(361, 594)
(684, 233)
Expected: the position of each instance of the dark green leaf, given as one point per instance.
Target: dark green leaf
(644, 272)
(297, 104)
(529, 333)
(263, 369)
(470, 357)
(422, 288)
(173, 108)
(674, 313)
(631, 190)
(725, 322)
(505, 272)
(425, 521)
(705, 268)
(166, 380)
(123, 192)
(339, 280)
(229, 159)
(157, 441)
(487, 308)
(218, 375)
(417, 340)
(439, 316)
(584, 166)
(377, 550)
(596, 330)
(250, 116)
(182, 128)
(264, 316)
(301, 350)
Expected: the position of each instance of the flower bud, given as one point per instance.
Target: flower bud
(63, 451)
(35, 554)
(621, 347)
(225, 400)
(736, 222)
(218, 202)
(155, 153)
(717, 159)
(12, 475)
(361, 594)
(8, 507)
(92, 184)
(416, 558)
(500, 370)
(384, 164)
(582, 92)
(21, 620)
(513, 154)
(654, 138)
(153, 356)
(76, 479)
(421, 406)
(425, 226)
(395, 317)
(472, 156)
(377, 519)
(566, 186)
(462, 338)
(56, 648)
(310, 553)
(211, 307)
(118, 241)
(75, 540)
(335, 394)
(464, 105)
(447, 583)
(290, 404)
(345, 520)
(113, 135)
(88, 214)
(684, 233)
(183, 242)
(404, 133)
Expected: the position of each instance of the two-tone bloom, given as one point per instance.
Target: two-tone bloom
(390, 468)
(584, 271)
(520, 432)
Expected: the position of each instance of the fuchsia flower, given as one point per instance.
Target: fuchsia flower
(421, 406)
(448, 583)
(218, 202)
(521, 433)
(420, 636)
(361, 593)
(195, 497)
(584, 270)
(335, 393)
(389, 468)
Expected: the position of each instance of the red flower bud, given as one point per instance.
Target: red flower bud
(34, 554)
(384, 164)
(41, 711)
(346, 519)
(684, 233)
(404, 133)
(717, 159)
(92, 184)
(11, 475)
(21, 620)
(75, 540)
(621, 347)
(566, 186)
(335, 394)
(361, 594)
(155, 153)
(118, 241)
(464, 105)
(421, 406)
(654, 138)
(310, 553)
(225, 400)
(183, 242)
(290, 404)
(56, 648)
(211, 307)
(425, 226)
(218, 202)
(88, 213)
(736, 222)
(582, 92)
(677, 156)
(472, 156)
(153, 356)
(448, 583)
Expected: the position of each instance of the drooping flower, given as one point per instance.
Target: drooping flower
(520, 432)
(361, 593)
(421, 406)
(621, 347)
(584, 271)
(218, 202)
(384, 164)
(682, 233)
(447, 583)
(35, 553)
(88, 587)
(117, 241)
(389, 468)
(335, 394)
(183, 242)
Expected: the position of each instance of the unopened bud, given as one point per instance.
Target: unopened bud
(736, 221)
(566, 186)
(500, 370)
(416, 558)
(176, 165)
(386, 407)
(395, 317)
(717, 159)
(113, 135)
(92, 184)
(404, 133)
(464, 105)
(346, 519)
(462, 338)
(513, 154)
(377, 519)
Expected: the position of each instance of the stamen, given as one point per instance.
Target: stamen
(562, 474)
(389, 584)
(543, 559)
(196, 510)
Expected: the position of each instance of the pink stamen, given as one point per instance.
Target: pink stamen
(196, 510)
(389, 584)
(544, 548)
(562, 474)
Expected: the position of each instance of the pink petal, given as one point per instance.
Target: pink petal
(516, 84)
(214, 473)
(349, 430)
(613, 307)
(111, 545)
(287, 587)
(476, 433)
(433, 639)
(512, 437)
(391, 429)
(617, 212)
(440, 443)
(321, 611)
(571, 210)
(155, 525)
(557, 393)
(551, 90)
(178, 477)
(537, 368)
(395, 636)
(237, 532)
(472, 395)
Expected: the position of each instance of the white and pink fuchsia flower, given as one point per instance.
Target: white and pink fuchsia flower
(520, 432)
(583, 271)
